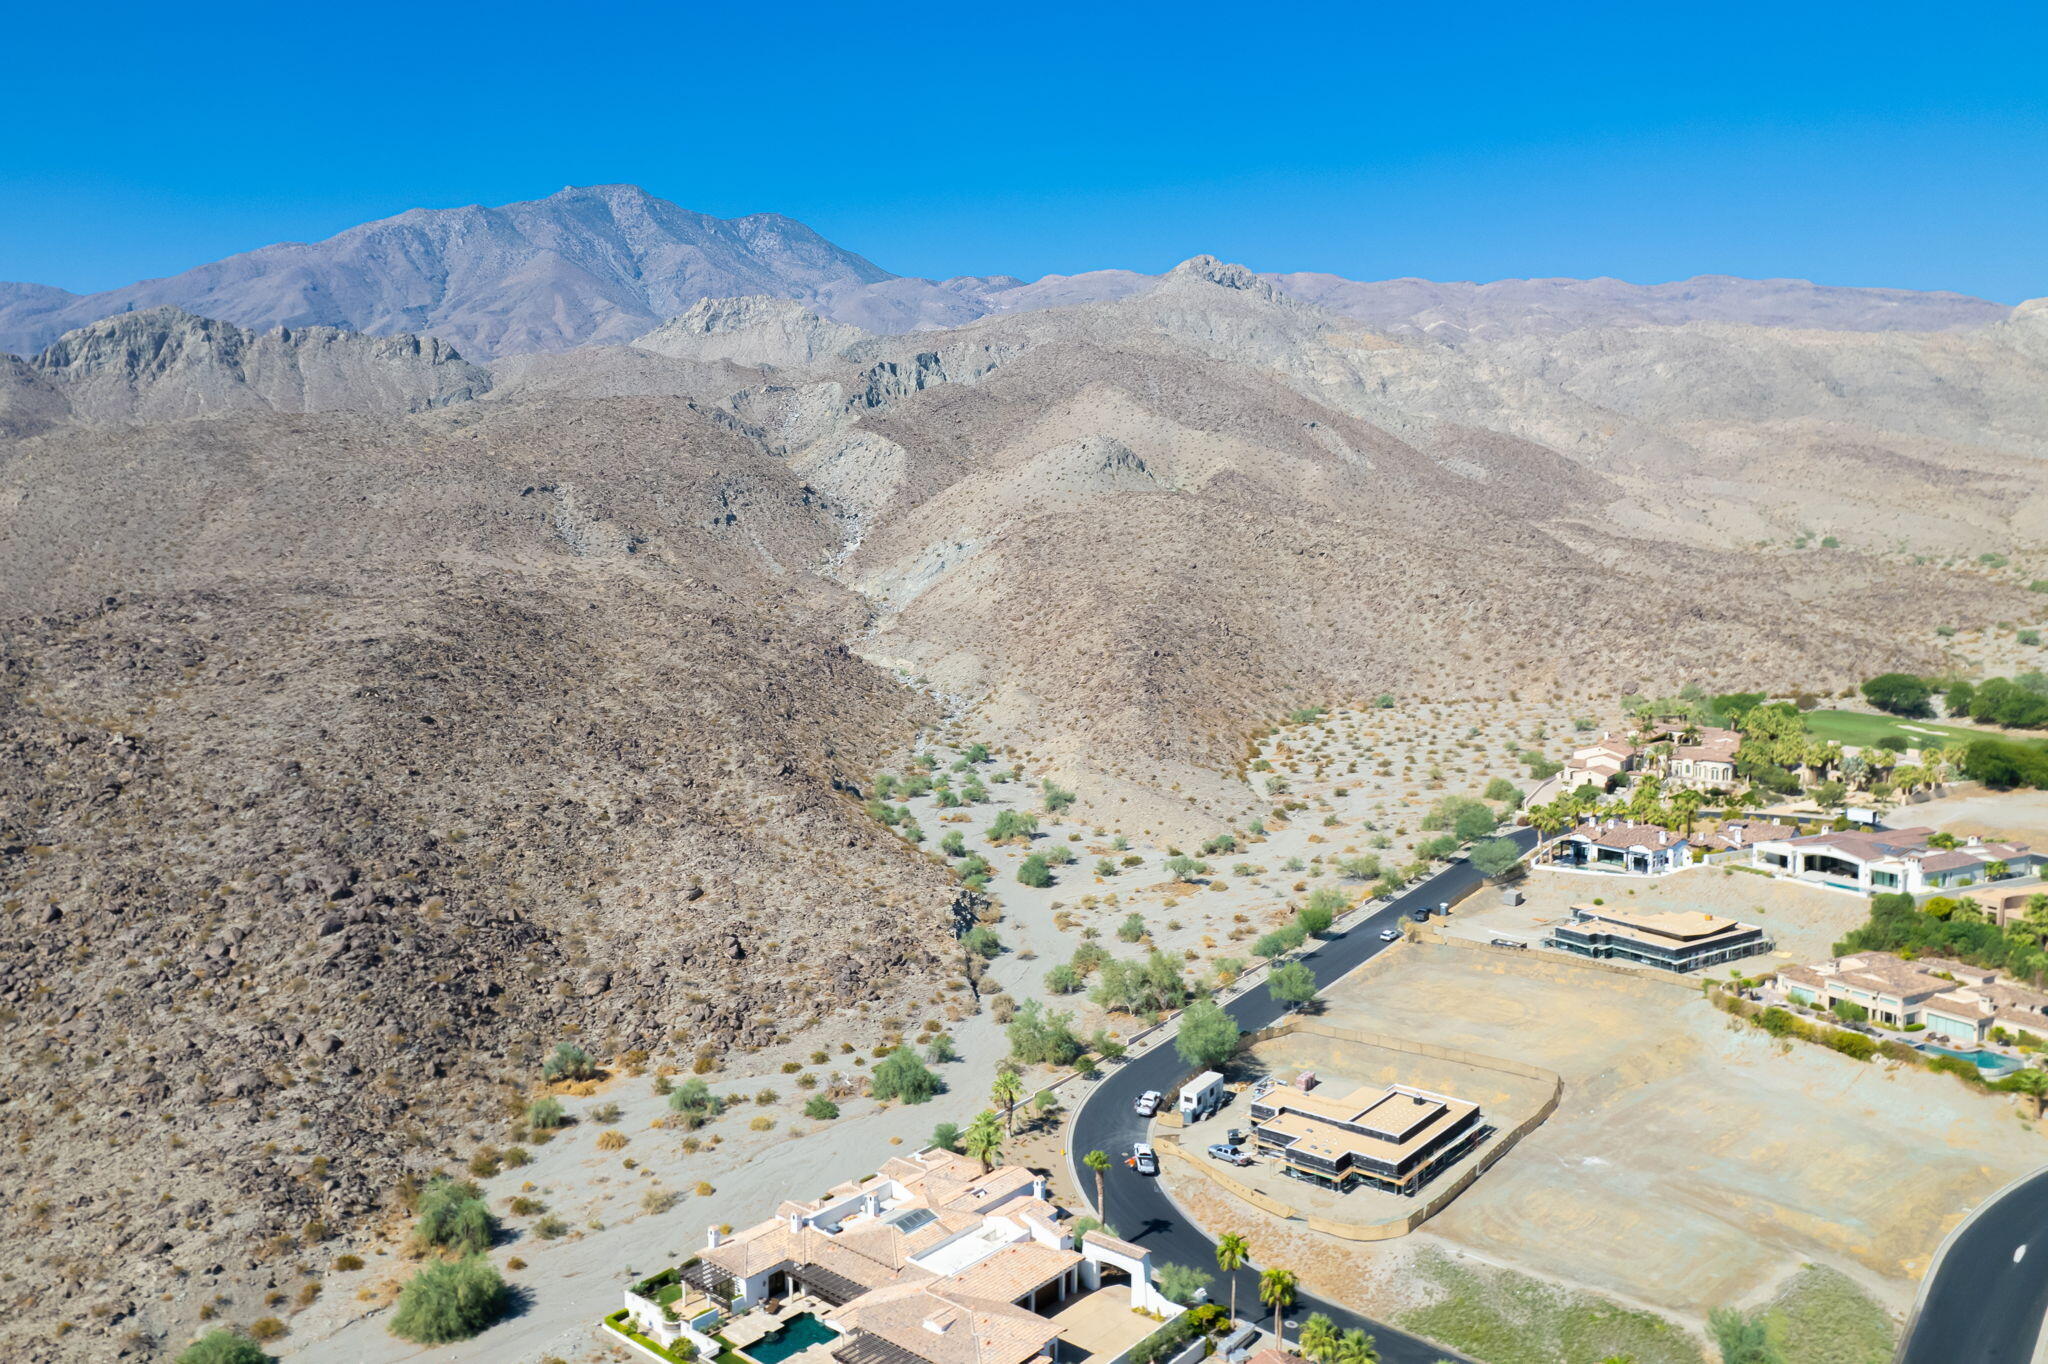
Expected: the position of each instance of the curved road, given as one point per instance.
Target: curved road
(1988, 1293)
(1137, 1206)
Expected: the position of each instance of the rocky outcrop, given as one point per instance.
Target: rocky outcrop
(166, 365)
(772, 333)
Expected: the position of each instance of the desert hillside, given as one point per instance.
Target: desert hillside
(374, 721)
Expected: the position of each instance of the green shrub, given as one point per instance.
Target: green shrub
(1063, 980)
(820, 1109)
(570, 1062)
(1034, 872)
(452, 1216)
(695, 1103)
(546, 1114)
(223, 1347)
(449, 1300)
(1131, 929)
(900, 1075)
(982, 941)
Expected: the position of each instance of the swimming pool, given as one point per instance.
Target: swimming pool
(1990, 1062)
(793, 1337)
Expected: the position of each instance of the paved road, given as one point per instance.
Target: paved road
(1986, 1299)
(1139, 1208)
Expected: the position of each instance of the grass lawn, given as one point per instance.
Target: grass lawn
(1822, 1317)
(1500, 1317)
(1854, 727)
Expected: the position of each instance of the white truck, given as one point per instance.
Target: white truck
(1202, 1096)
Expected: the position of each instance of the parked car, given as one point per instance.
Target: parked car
(1389, 934)
(1144, 1159)
(1148, 1103)
(1229, 1154)
(1510, 942)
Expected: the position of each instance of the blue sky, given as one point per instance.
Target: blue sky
(1851, 144)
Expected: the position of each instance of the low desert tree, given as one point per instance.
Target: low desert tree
(1360, 868)
(982, 941)
(223, 1347)
(1292, 983)
(983, 1139)
(1323, 907)
(818, 1108)
(1494, 857)
(1900, 694)
(1185, 868)
(1438, 849)
(1045, 1105)
(1208, 1036)
(2033, 1084)
(1105, 1046)
(900, 1075)
(694, 1102)
(1742, 1339)
(1131, 929)
(1182, 1282)
(449, 1300)
(545, 1114)
(570, 1062)
(452, 1216)
(1034, 872)
(1040, 1037)
(1098, 1161)
(946, 1136)
(1063, 980)
(1500, 788)
(1009, 825)
(1220, 844)
(940, 1050)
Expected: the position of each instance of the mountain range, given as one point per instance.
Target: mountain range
(607, 263)
(480, 629)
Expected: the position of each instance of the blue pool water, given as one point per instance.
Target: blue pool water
(1989, 1062)
(796, 1335)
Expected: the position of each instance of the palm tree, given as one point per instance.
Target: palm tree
(2033, 1084)
(1357, 1348)
(983, 1139)
(1319, 1339)
(1008, 1088)
(1098, 1161)
(1232, 1251)
(1687, 806)
(1276, 1290)
(1549, 818)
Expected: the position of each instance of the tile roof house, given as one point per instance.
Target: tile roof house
(1876, 861)
(930, 1260)
(1707, 763)
(1597, 763)
(1615, 845)
(1956, 1003)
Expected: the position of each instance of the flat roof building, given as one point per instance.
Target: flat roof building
(1393, 1136)
(1675, 942)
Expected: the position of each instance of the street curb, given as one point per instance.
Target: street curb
(1941, 1253)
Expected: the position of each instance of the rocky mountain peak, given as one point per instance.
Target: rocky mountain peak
(1213, 271)
(754, 330)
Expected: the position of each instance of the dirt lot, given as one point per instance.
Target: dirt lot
(1504, 1101)
(1990, 814)
(1692, 1163)
(1804, 921)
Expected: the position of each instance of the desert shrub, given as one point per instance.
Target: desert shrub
(266, 1328)
(450, 1300)
(694, 1102)
(1038, 1036)
(452, 1216)
(1034, 872)
(223, 1347)
(570, 1062)
(1182, 1282)
(946, 1136)
(611, 1141)
(818, 1108)
(1057, 797)
(1131, 929)
(544, 1115)
(605, 1113)
(900, 1075)
(982, 941)
(1063, 980)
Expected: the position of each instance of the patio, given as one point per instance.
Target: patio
(1100, 1324)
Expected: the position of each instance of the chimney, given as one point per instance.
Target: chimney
(796, 1221)
(1663, 837)
(712, 1238)
(1038, 1187)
